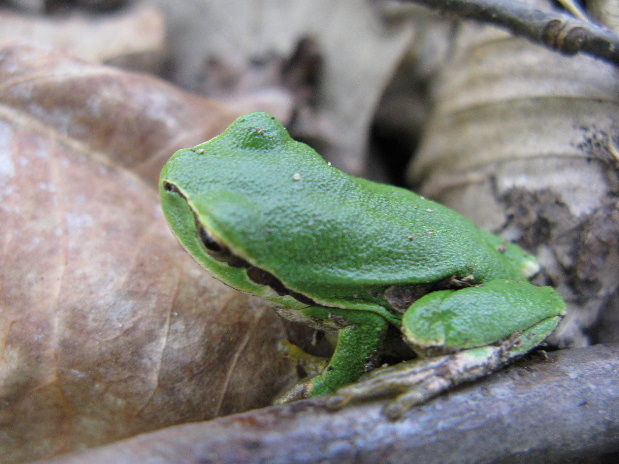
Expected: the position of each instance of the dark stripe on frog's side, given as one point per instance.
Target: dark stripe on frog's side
(398, 298)
(220, 251)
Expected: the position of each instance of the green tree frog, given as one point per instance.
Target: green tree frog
(267, 215)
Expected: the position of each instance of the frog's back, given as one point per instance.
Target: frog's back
(325, 233)
(383, 235)
(323, 229)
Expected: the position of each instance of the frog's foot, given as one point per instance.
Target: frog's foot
(415, 382)
(312, 365)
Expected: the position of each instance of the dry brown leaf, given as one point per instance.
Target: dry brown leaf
(107, 327)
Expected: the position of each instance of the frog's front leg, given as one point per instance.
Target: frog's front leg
(461, 335)
(360, 337)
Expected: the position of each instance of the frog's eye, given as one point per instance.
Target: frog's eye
(219, 250)
(212, 245)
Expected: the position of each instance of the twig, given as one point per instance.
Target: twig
(558, 31)
(539, 411)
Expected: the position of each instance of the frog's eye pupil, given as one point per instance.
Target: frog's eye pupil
(209, 242)
(219, 250)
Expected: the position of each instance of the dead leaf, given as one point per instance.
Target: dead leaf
(360, 50)
(523, 141)
(133, 37)
(107, 327)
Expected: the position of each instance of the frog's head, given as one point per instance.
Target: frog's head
(220, 199)
(229, 185)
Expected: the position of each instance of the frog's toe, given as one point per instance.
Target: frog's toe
(416, 382)
(388, 382)
(301, 391)
(415, 396)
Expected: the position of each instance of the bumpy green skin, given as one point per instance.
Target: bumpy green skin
(338, 245)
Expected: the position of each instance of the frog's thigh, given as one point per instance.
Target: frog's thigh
(451, 320)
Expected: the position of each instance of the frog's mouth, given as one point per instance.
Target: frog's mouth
(217, 249)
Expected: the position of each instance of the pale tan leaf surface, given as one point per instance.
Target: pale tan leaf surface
(134, 36)
(605, 12)
(107, 327)
(524, 141)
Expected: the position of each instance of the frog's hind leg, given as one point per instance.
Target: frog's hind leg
(360, 338)
(445, 372)
(447, 321)
(463, 335)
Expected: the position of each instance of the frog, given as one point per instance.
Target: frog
(357, 259)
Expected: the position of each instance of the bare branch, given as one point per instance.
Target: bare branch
(539, 411)
(558, 31)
